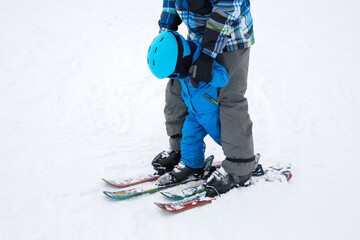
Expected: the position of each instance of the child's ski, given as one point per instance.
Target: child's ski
(132, 181)
(128, 193)
(184, 193)
(272, 174)
(141, 179)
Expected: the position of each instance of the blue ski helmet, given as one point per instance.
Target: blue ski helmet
(167, 55)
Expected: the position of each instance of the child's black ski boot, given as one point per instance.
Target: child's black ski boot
(180, 173)
(165, 161)
(184, 173)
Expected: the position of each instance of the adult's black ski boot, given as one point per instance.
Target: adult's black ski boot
(221, 182)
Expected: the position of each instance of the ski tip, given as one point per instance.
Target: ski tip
(171, 196)
(115, 195)
(160, 205)
(130, 182)
(183, 206)
(119, 184)
(287, 174)
(105, 180)
(166, 194)
(107, 193)
(163, 207)
(114, 184)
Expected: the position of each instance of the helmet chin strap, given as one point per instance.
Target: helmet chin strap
(183, 63)
(185, 66)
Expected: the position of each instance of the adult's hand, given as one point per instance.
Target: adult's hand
(201, 70)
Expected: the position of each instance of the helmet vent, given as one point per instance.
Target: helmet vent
(161, 39)
(154, 62)
(156, 49)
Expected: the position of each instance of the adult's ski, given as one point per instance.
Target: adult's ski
(271, 174)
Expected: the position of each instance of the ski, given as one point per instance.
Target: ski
(271, 174)
(129, 193)
(141, 179)
(193, 190)
(132, 181)
(184, 193)
(184, 204)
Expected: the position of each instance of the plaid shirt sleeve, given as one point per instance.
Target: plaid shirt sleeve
(169, 19)
(218, 27)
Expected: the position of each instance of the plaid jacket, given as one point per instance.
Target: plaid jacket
(220, 25)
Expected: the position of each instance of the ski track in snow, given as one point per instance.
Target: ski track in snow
(78, 103)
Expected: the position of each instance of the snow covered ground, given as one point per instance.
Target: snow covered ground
(77, 103)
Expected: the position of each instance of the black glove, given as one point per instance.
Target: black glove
(201, 70)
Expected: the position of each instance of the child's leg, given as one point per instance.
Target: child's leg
(192, 143)
(211, 124)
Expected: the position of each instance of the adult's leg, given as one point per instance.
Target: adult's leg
(175, 113)
(236, 126)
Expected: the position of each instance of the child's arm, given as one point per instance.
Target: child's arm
(219, 77)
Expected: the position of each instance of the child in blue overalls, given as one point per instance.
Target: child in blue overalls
(170, 55)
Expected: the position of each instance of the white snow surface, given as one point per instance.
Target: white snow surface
(78, 103)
